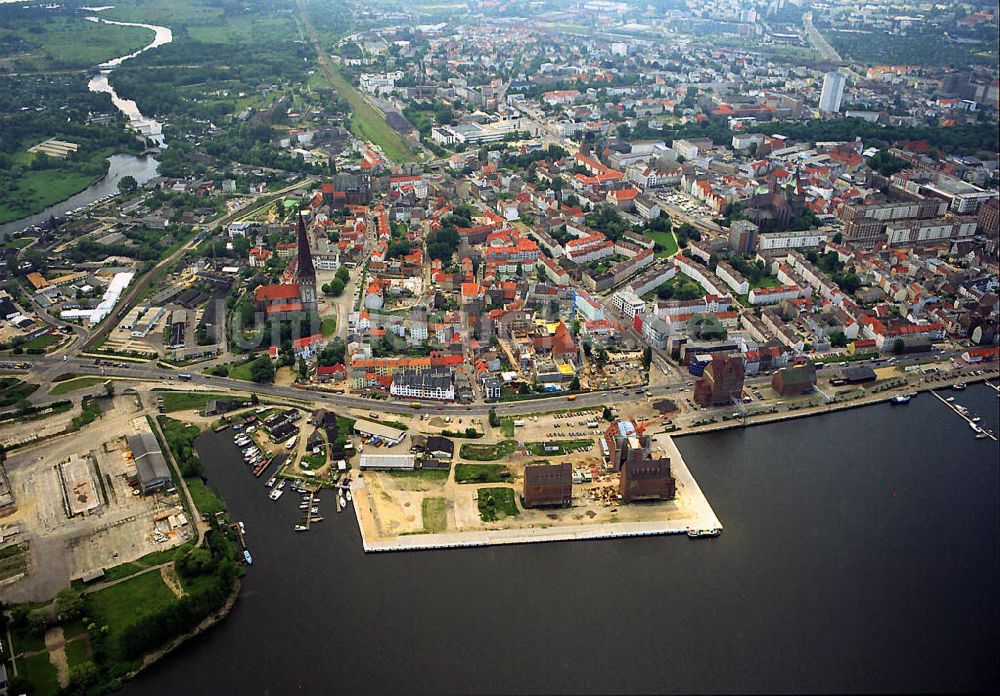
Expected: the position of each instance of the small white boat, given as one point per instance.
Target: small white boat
(276, 493)
(950, 399)
(981, 436)
(282, 484)
(271, 481)
(976, 419)
(301, 528)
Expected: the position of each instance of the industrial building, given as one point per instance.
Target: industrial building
(152, 471)
(548, 484)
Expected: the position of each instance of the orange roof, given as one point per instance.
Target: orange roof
(268, 293)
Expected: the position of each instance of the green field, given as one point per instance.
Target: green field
(76, 652)
(90, 411)
(186, 401)
(565, 447)
(73, 42)
(203, 497)
(434, 515)
(488, 453)
(206, 22)
(367, 123)
(38, 189)
(131, 601)
(41, 673)
(480, 473)
(496, 504)
(75, 384)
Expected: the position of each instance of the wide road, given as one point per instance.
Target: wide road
(819, 41)
(50, 367)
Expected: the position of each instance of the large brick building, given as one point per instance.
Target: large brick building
(548, 484)
(642, 476)
(722, 382)
(646, 479)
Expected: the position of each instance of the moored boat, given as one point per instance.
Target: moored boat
(276, 493)
(900, 400)
(247, 557)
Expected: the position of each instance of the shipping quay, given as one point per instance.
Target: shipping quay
(689, 514)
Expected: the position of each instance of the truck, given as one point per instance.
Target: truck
(184, 377)
(518, 423)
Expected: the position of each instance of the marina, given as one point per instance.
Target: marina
(770, 485)
(973, 420)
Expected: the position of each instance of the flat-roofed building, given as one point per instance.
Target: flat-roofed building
(387, 462)
(369, 429)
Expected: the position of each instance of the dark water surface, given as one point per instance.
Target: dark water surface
(860, 554)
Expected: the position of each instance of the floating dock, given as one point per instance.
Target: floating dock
(964, 416)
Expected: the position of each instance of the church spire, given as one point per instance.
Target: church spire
(304, 268)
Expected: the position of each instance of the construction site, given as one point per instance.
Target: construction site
(582, 478)
(83, 503)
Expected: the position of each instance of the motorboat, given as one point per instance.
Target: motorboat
(900, 400)
(301, 528)
(276, 493)
(247, 557)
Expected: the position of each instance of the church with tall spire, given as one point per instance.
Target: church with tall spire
(305, 272)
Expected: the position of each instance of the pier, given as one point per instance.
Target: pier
(689, 512)
(965, 416)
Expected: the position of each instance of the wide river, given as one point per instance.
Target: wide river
(860, 554)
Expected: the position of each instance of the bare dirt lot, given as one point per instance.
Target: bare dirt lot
(112, 526)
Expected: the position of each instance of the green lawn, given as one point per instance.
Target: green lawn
(203, 497)
(42, 342)
(313, 461)
(328, 326)
(75, 384)
(186, 401)
(479, 473)
(13, 390)
(665, 240)
(507, 426)
(496, 504)
(148, 561)
(765, 282)
(420, 474)
(41, 673)
(565, 447)
(434, 515)
(488, 453)
(26, 641)
(127, 602)
(76, 652)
